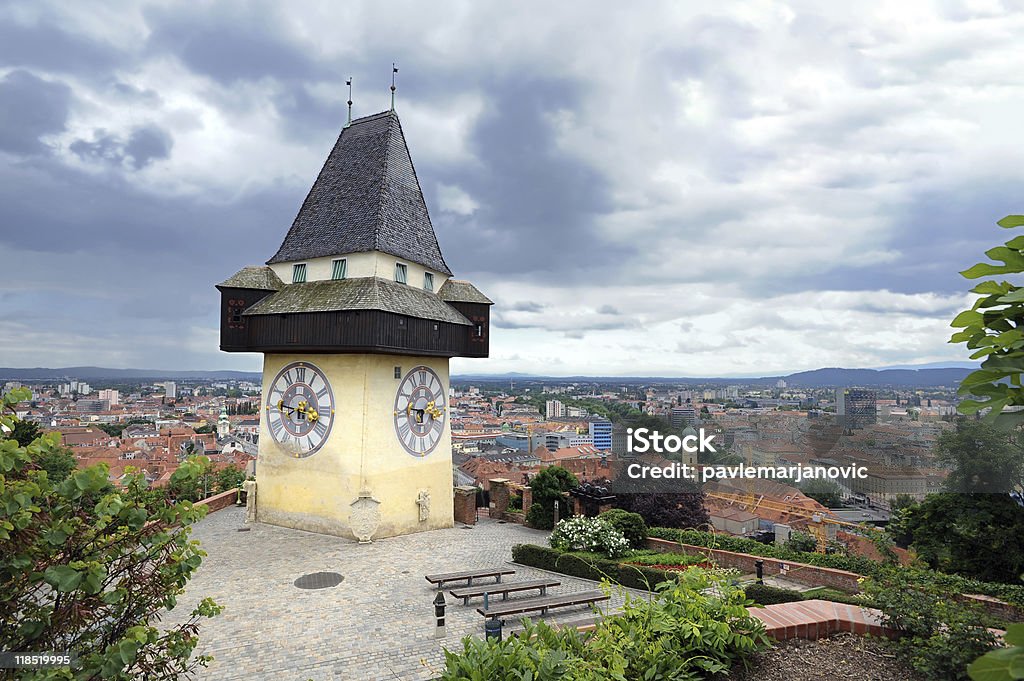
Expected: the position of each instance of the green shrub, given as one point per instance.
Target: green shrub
(580, 533)
(631, 525)
(763, 594)
(591, 566)
(656, 558)
(1010, 593)
(690, 629)
(941, 636)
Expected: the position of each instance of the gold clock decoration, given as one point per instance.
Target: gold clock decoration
(300, 409)
(420, 410)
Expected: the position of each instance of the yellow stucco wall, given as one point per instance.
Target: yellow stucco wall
(362, 452)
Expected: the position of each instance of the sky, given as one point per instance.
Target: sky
(650, 188)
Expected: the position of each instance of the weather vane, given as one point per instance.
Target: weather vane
(349, 83)
(394, 70)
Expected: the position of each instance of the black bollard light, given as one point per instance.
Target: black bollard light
(759, 569)
(439, 606)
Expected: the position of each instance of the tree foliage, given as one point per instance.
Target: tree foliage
(994, 329)
(88, 568)
(548, 488)
(974, 535)
(982, 458)
(683, 509)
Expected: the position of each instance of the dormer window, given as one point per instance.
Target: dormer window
(340, 269)
(401, 273)
(299, 273)
(428, 281)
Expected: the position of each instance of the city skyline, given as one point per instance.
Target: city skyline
(703, 192)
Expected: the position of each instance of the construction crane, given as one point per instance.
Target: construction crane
(817, 521)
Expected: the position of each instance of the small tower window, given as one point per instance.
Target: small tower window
(299, 273)
(428, 281)
(401, 273)
(340, 269)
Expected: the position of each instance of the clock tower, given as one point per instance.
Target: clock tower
(357, 315)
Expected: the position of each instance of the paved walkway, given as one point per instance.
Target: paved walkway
(377, 624)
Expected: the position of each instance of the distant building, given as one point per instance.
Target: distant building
(170, 390)
(856, 407)
(680, 417)
(781, 383)
(113, 397)
(554, 409)
(601, 432)
(85, 405)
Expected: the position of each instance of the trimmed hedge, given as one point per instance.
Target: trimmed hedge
(1010, 593)
(762, 594)
(590, 566)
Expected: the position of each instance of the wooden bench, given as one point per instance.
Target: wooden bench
(504, 589)
(468, 576)
(543, 604)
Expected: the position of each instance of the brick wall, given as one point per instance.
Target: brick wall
(219, 501)
(465, 505)
(810, 575)
(499, 495)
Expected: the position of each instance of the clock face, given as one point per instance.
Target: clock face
(420, 409)
(300, 409)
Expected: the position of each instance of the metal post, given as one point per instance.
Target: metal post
(759, 568)
(439, 606)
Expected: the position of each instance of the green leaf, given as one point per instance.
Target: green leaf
(1011, 221)
(1014, 635)
(63, 577)
(992, 666)
(967, 318)
(984, 269)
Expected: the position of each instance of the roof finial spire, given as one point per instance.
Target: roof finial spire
(349, 83)
(394, 70)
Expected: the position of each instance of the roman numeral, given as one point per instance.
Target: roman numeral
(276, 427)
(301, 374)
(320, 429)
(288, 378)
(322, 394)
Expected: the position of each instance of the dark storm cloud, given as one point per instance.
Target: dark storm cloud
(30, 107)
(229, 45)
(539, 207)
(71, 210)
(524, 306)
(935, 236)
(46, 47)
(303, 113)
(144, 145)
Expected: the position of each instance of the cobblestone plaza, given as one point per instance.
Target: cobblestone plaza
(376, 624)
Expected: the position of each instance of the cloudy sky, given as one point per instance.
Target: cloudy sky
(720, 188)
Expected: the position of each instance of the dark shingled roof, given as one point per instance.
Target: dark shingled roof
(363, 293)
(257, 277)
(458, 291)
(366, 198)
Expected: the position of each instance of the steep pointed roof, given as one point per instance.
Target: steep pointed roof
(366, 198)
